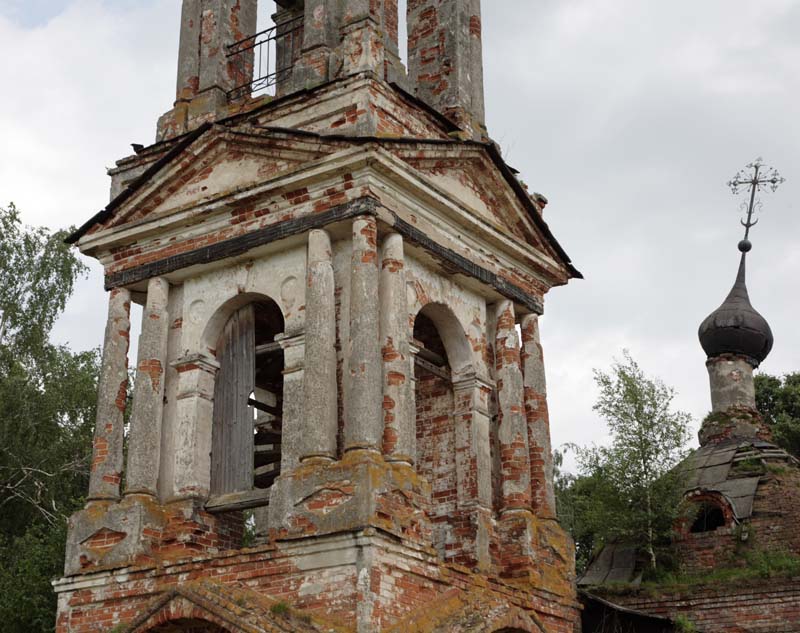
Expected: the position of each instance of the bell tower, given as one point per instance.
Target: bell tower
(339, 416)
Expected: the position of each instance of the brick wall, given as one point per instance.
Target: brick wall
(774, 526)
(763, 606)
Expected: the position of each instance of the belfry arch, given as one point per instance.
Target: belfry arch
(441, 358)
(247, 419)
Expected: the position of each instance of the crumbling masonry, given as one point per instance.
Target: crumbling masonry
(337, 424)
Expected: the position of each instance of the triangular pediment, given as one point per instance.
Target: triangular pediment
(470, 612)
(219, 162)
(219, 607)
(467, 174)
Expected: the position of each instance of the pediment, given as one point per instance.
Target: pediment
(471, 612)
(466, 174)
(217, 607)
(218, 163)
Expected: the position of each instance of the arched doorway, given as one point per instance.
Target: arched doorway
(248, 403)
(435, 413)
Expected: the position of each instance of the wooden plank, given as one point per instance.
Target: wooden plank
(232, 430)
(268, 451)
(269, 469)
(238, 501)
(266, 408)
(268, 348)
(434, 369)
(268, 436)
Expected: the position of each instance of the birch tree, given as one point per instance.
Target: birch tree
(637, 488)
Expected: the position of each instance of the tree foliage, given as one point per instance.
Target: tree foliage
(37, 275)
(778, 400)
(630, 490)
(47, 400)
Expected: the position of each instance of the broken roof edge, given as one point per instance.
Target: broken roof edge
(183, 142)
(102, 215)
(617, 607)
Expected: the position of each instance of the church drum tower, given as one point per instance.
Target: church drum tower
(339, 419)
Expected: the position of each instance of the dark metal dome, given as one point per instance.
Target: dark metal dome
(735, 327)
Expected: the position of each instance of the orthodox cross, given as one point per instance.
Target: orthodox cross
(755, 177)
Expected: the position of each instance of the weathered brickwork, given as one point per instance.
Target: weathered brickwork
(329, 370)
(764, 605)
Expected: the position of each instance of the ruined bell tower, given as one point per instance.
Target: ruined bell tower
(339, 417)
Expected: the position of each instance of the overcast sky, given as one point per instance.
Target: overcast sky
(629, 115)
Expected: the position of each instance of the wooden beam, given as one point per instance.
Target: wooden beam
(434, 369)
(268, 348)
(238, 501)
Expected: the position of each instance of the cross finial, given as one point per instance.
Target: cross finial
(754, 178)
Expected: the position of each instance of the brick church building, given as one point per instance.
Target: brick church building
(339, 419)
(741, 501)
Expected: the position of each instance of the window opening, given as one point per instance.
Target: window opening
(263, 61)
(709, 517)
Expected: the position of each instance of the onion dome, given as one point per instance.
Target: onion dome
(736, 327)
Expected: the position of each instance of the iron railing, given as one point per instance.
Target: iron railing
(265, 60)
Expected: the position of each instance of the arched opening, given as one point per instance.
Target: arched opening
(435, 424)
(248, 403)
(276, 46)
(709, 517)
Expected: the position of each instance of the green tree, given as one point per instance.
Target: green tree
(778, 400)
(47, 400)
(575, 498)
(631, 489)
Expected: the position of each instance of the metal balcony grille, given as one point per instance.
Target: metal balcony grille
(264, 60)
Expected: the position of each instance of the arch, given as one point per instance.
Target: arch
(222, 314)
(709, 517)
(454, 338)
(441, 350)
(247, 419)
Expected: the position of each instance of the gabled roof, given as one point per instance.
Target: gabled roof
(184, 143)
(468, 612)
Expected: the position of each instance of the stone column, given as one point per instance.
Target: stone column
(399, 433)
(320, 398)
(144, 445)
(536, 413)
(512, 431)
(106, 472)
(732, 383)
(363, 419)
